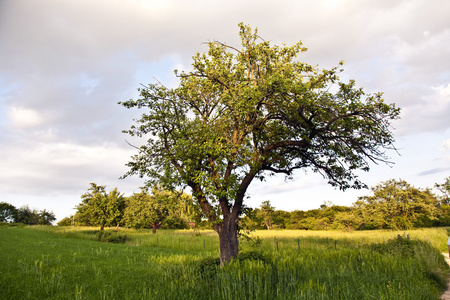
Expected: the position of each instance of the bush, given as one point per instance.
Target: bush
(208, 266)
(429, 258)
(67, 221)
(3, 224)
(251, 255)
(111, 237)
(173, 222)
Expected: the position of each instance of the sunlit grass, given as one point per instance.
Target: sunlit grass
(70, 263)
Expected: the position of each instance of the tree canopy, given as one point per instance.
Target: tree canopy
(8, 212)
(101, 208)
(242, 114)
(144, 210)
(395, 204)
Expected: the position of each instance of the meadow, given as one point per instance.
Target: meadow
(71, 263)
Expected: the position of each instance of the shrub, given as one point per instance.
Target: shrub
(429, 258)
(111, 237)
(208, 266)
(251, 255)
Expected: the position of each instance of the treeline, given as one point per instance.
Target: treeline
(156, 209)
(25, 215)
(395, 204)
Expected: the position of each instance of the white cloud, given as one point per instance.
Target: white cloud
(65, 64)
(24, 118)
(65, 167)
(445, 145)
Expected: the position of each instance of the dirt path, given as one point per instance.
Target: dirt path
(446, 295)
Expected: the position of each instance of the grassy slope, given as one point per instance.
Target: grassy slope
(53, 264)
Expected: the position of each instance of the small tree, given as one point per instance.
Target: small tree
(241, 114)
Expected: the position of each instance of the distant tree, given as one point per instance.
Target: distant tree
(266, 214)
(67, 221)
(242, 114)
(347, 220)
(395, 204)
(99, 208)
(46, 217)
(280, 219)
(250, 220)
(144, 211)
(26, 215)
(8, 212)
(161, 208)
(444, 188)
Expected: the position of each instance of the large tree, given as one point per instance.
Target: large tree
(241, 114)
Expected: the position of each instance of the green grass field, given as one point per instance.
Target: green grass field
(70, 263)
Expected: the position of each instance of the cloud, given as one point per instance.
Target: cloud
(24, 118)
(445, 145)
(64, 65)
(67, 167)
(434, 171)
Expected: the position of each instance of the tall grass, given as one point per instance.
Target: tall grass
(70, 263)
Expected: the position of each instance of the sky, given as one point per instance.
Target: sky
(64, 65)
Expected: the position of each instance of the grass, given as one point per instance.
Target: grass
(71, 263)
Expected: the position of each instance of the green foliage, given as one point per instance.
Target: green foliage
(444, 217)
(46, 217)
(208, 266)
(110, 236)
(67, 221)
(28, 216)
(99, 208)
(252, 255)
(162, 208)
(398, 205)
(444, 188)
(429, 258)
(8, 212)
(242, 114)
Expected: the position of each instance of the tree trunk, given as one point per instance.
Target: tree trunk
(229, 244)
(102, 226)
(154, 229)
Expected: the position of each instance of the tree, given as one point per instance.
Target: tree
(241, 114)
(46, 217)
(26, 215)
(162, 207)
(266, 214)
(99, 208)
(444, 188)
(396, 204)
(67, 221)
(8, 212)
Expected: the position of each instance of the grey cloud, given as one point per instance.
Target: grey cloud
(71, 61)
(433, 171)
